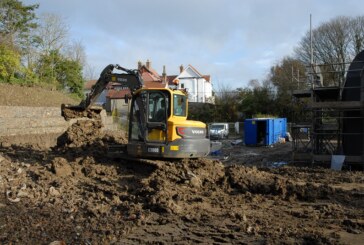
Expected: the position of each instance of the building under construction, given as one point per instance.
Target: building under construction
(334, 125)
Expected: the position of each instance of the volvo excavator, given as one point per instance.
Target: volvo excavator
(158, 125)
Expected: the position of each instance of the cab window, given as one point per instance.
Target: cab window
(179, 105)
(158, 106)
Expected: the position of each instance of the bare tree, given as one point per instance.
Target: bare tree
(284, 76)
(52, 33)
(254, 83)
(224, 92)
(226, 101)
(89, 72)
(331, 41)
(76, 52)
(357, 34)
(335, 43)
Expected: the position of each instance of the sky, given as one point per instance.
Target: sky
(233, 41)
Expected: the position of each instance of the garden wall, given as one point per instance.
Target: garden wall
(39, 126)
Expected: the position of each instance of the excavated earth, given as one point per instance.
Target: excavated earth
(74, 194)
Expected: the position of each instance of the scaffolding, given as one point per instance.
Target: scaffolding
(335, 109)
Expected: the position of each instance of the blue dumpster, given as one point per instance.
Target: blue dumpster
(264, 131)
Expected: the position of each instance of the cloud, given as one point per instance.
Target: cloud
(233, 41)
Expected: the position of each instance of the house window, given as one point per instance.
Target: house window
(182, 85)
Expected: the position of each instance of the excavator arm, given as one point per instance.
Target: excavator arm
(128, 78)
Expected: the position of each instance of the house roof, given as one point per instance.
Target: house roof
(195, 70)
(88, 85)
(151, 78)
(207, 77)
(148, 77)
(171, 78)
(117, 94)
(152, 84)
(149, 74)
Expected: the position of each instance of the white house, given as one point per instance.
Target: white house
(198, 86)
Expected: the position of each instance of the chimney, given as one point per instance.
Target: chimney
(148, 64)
(139, 65)
(164, 75)
(181, 69)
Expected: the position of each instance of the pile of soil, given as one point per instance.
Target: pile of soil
(89, 136)
(81, 133)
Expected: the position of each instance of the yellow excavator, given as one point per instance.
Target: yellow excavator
(158, 125)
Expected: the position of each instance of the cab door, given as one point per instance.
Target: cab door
(148, 117)
(157, 116)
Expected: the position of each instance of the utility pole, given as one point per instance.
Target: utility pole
(311, 49)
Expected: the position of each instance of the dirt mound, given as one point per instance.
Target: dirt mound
(82, 133)
(87, 137)
(72, 193)
(174, 185)
(61, 200)
(255, 181)
(15, 95)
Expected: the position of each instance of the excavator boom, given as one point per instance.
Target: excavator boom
(129, 78)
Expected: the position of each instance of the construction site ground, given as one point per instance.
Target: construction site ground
(74, 193)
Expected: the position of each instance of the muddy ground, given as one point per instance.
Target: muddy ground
(75, 194)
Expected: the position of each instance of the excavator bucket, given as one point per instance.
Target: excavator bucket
(73, 112)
